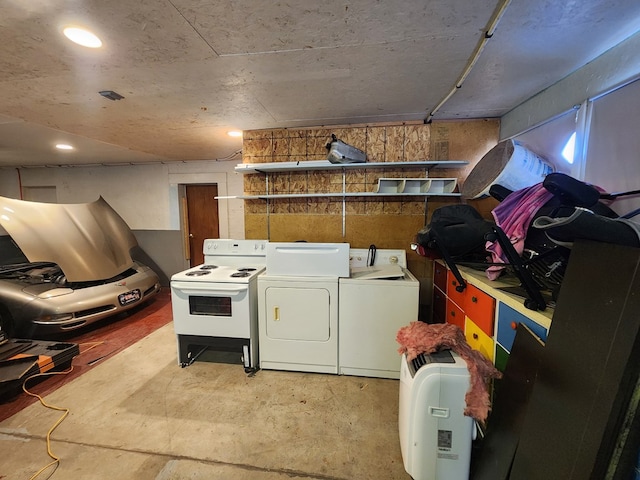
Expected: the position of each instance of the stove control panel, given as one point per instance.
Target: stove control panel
(225, 246)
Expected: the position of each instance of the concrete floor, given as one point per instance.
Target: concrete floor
(138, 415)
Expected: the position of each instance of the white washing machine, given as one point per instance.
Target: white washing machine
(375, 302)
(298, 306)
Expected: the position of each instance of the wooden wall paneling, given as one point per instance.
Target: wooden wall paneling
(256, 225)
(395, 144)
(376, 144)
(417, 142)
(316, 148)
(384, 231)
(465, 140)
(310, 228)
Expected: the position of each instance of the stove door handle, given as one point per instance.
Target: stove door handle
(204, 288)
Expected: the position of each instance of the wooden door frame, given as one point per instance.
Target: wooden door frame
(196, 198)
(181, 181)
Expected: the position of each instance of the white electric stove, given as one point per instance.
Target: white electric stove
(215, 304)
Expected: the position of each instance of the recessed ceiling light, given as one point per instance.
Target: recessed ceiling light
(234, 133)
(64, 146)
(111, 95)
(82, 37)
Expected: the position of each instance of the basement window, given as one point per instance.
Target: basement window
(569, 149)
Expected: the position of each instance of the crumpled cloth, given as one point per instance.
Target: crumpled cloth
(513, 216)
(420, 337)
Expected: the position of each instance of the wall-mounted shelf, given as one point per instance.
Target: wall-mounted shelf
(443, 186)
(339, 195)
(417, 186)
(326, 165)
(402, 187)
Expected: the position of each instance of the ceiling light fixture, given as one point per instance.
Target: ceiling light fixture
(64, 146)
(234, 133)
(111, 95)
(82, 37)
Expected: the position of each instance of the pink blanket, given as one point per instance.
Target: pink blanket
(420, 337)
(513, 216)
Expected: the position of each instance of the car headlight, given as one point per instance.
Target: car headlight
(56, 292)
(56, 317)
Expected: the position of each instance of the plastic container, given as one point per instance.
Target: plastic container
(340, 152)
(509, 164)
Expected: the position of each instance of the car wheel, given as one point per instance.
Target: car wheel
(6, 322)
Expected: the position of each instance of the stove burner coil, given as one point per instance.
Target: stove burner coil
(197, 273)
(240, 274)
(208, 267)
(247, 269)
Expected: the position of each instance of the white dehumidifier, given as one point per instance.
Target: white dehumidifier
(435, 435)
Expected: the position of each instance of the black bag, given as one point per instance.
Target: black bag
(458, 227)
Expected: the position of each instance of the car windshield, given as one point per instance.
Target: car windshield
(89, 241)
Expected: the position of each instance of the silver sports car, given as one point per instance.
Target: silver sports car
(71, 267)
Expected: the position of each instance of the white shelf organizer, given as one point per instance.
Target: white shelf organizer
(418, 186)
(395, 187)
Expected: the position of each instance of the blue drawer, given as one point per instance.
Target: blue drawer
(508, 320)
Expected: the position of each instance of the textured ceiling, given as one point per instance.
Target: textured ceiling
(190, 70)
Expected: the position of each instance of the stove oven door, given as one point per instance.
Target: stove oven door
(211, 309)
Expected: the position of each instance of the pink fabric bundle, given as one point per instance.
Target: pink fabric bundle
(420, 337)
(513, 216)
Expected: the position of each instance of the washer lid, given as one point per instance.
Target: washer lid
(380, 272)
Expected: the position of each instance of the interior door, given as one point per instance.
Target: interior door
(202, 219)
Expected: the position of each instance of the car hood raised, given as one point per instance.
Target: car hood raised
(89, 241)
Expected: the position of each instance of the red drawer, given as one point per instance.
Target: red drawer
(439, 306)
(480, 308)
(455, 314)
(440, 276)
(452, 293)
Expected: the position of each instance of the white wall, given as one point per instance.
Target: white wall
(613, 145)
(230, 211)
(616, 67)
(144, 195)
(9, 182)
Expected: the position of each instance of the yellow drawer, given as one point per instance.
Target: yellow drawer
(478, 340)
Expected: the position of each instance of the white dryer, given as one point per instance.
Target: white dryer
(298, 323)
(298, 306)
(375, 302)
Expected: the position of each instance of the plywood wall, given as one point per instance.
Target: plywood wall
(390, 222)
